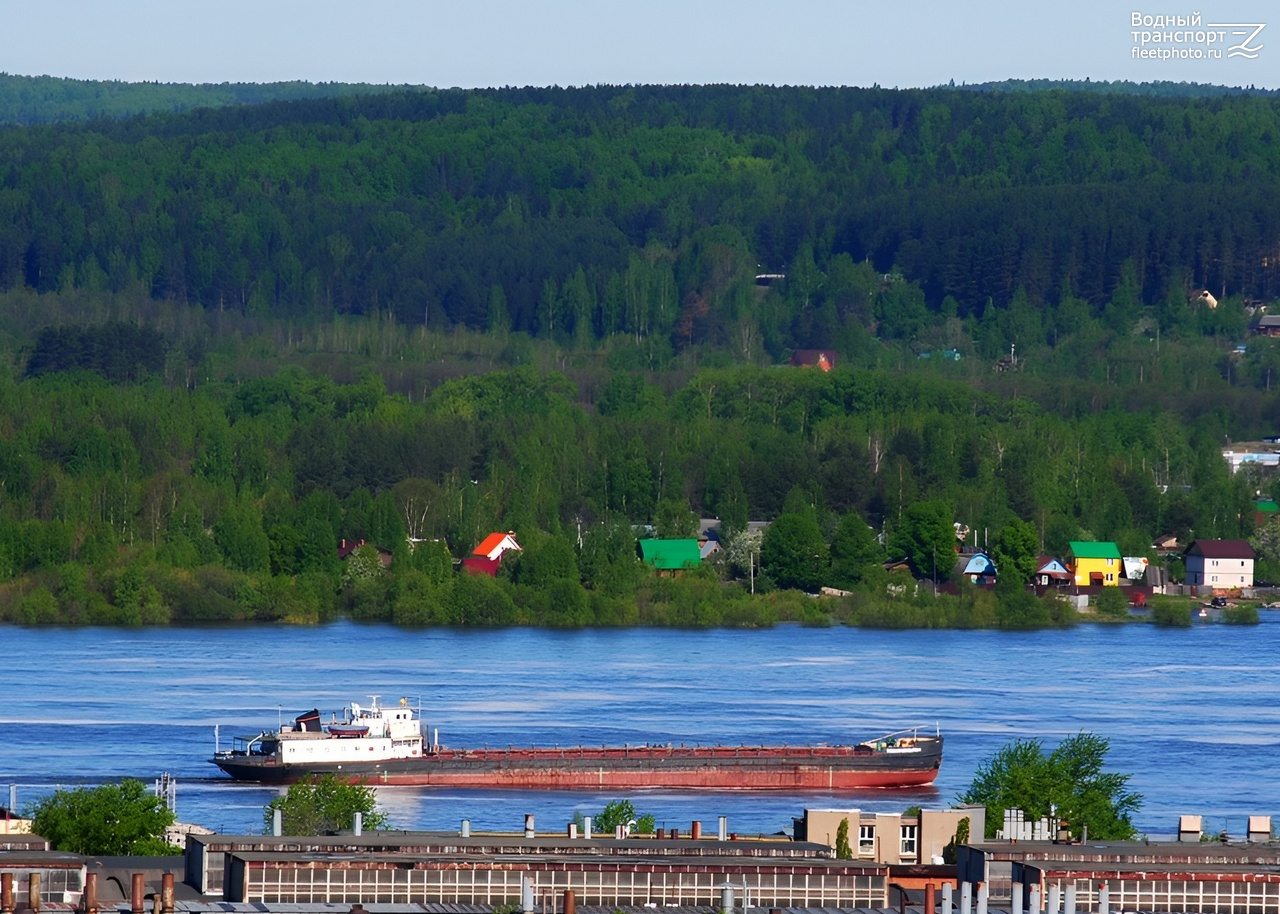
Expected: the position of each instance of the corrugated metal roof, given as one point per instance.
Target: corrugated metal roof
(1222, 549)
(670, 555)
(227, 907)
(1095, 550)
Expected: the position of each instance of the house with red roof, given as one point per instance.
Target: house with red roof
(487, 557)
(1052, 572)
(822, 359)
(346, 547)
(1220, 564)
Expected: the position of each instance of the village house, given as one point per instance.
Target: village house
(1220, 564)
(978, 568)
(822, 359)
(487, 557)
(346, 547)
(1094, 564)
(1267, 325)
(1051, 572)
(670, 557)
(1165, 543)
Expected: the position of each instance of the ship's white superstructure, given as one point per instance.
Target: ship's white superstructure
(364, 734)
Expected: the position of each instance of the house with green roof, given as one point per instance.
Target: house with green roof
(670, 556)
(1095, 563)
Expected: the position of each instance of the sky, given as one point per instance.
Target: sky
(470, 43)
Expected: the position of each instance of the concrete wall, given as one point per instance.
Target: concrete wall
(934, 830)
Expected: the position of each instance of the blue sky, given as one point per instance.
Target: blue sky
(577, 42)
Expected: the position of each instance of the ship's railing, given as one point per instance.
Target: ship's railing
(660, 752)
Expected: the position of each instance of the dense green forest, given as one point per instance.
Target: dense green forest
(237, 336)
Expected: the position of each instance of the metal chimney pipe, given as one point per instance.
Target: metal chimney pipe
(136, 888)
(89, 901)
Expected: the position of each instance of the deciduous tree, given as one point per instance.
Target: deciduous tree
(621, 812)
(1069, 782)
(111, 820)
(319, 805)
(926, 537)
(793, 552)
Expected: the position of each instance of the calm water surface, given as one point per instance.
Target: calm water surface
(1191, 714)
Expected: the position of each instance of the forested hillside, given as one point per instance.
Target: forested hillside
(236, 337)
(583, 213)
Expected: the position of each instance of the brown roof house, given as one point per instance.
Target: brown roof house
(1166, 542)
(1220, 564)
(346, 547)
(1267, 325)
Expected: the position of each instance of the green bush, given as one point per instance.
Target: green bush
(1112, 603)
(1174, 615)
(1240, 615)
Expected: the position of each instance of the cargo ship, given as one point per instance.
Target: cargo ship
(386, 745)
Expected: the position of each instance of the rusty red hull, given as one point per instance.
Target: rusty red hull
(781, 768)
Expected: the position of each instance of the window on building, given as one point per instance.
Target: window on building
(908, 843)
(866, 839)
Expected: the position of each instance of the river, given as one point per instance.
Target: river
(1191, 713)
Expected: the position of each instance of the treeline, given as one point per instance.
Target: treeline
(147, 503)
(54, 99)
(643, 213)
(1160, 88)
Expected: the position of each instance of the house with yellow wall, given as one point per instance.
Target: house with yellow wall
(1095, 563)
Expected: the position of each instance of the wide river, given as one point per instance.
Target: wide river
(1191, 714)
